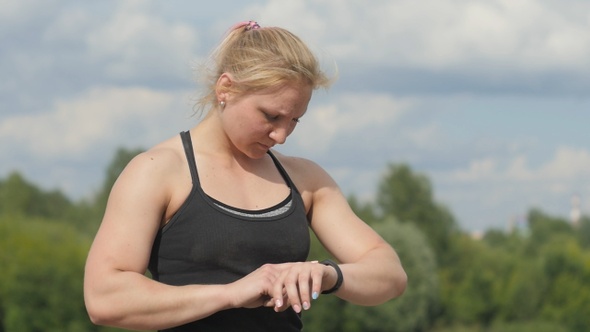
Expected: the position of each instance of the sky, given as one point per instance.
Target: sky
(488, 99)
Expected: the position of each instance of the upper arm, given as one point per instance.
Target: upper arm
(132, 217)
(339, 229)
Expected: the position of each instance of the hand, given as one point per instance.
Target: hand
(255, 289)
(280, 286)
(298, 284)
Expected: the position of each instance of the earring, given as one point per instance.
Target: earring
(222, 104)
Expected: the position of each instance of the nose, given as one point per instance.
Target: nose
(279, 135)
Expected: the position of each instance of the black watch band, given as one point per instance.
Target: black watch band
(340, 278)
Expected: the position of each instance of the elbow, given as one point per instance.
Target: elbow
(97, 316)
(400, 282)
(396, 286)
(100, 313)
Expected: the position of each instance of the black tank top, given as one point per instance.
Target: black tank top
(207, 242)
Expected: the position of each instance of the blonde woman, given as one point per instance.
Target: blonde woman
(221, 220)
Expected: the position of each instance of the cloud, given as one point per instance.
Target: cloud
(88, 78)
(489, 191)
(567, 164)
(102, 116)
(348, 116)
(507, 35)
(133, 44)
(20, 13)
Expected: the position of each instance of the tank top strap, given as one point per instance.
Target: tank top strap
(190, 155)
(283, 172)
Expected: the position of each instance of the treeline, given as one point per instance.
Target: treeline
(536, 278)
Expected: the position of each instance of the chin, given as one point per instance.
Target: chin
(257, 155)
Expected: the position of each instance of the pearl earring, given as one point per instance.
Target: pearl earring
(222, 104)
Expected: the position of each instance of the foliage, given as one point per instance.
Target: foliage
(532, 279)
(413, 311)
(41, 285)
(408, 196)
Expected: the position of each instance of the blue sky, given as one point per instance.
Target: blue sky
(490, 100)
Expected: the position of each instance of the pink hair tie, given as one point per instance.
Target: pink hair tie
(247, 25)
(252, 25)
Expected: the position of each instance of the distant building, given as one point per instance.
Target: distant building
(576, 212)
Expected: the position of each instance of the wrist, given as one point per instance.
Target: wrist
(339, 276)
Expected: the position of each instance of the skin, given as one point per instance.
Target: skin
(155, 184)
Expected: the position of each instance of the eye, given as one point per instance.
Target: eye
(270, 117)
(296, 120)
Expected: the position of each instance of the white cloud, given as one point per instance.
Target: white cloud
(101, 116)
(494, 190)
(567, 164)
(134, 43)
(477, 170)
(439, 34)
(348, 115)
(24, 11)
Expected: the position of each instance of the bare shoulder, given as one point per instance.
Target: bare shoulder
(308, 176)
(159, 159)
(154, 170)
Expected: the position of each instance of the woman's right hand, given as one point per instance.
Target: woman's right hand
(280, 286)
(255, 289)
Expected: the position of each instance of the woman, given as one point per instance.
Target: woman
(221, 220)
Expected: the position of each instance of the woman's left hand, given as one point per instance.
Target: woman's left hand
(299, 284)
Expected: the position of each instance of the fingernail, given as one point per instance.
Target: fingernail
(278, 303)
(305, 305)
(314, 295)
(297, 308)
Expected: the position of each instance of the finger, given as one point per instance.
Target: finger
(278, 297)
(317, 275)
(292, 291)
(304, 290)
(268, 302)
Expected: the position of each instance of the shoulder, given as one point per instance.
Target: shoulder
(154, 168)
(158, 160)
(308, 176)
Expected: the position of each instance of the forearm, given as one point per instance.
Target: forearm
(375, 278)
(133, 301)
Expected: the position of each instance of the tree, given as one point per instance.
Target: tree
(567, 268)
(543, 227)
(411, 312)
(19, 197)
(583, 232)
(414, 310)
(41, 281)
(408, 197)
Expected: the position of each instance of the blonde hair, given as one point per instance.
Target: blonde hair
(259, 58)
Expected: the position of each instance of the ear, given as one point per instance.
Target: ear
(223, 85)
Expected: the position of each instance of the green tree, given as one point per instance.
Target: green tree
(567, 298)
(19, 197)
(583, 232)
(41, 282)
(543, 228)
(408, 196)
(473, 286)
(413, 311)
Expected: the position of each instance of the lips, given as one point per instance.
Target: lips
(268, 146)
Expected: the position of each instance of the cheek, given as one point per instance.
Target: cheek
(254, 129)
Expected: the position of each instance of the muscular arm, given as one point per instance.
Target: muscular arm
(372, 270)
(115, 289)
